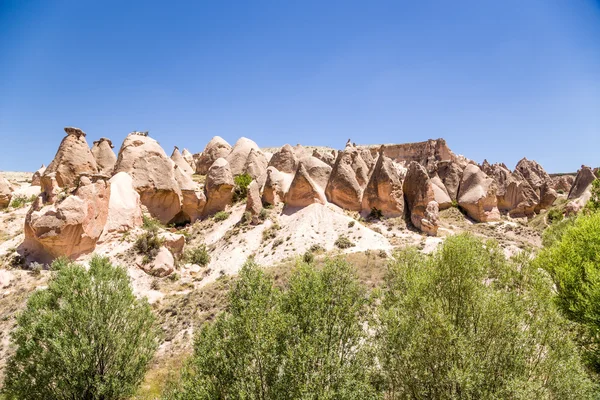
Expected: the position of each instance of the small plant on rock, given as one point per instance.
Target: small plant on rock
(240, 192)
(221, 216)
(148, 244)
(198, 256)
(343, 242)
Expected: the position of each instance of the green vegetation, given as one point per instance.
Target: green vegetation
(221, 216)
(148, 244)
(554, 215)
(150, 223)
(573, 260)
(84, 337)
(343, 242)
(240, 191)
(306, 342)
(198, 255)
(375, 214)
(593, 204)
(20, 200)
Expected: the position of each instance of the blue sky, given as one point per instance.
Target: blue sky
(497, 79)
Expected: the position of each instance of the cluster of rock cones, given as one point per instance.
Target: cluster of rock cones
(89, 194)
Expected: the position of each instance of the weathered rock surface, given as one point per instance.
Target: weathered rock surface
(256, 166)
(308, 185)
(239, 155)
(547, 196)
(254, 202)
(348, 179)
(153, 175)
(440, 193)
(219, 187)
(72, 159)
(563, 183)
(428, 153)
(70, 227)
(477, 195)
(276, 186)
(36, 178)
(5, 192)
(514, 194)
(285, 160)
(583, 180)
(328, 157)
(173, 241)
(124, 206)
(181, 162)
(384, 190)
(162, 265)
(451, 174)
(105, 157)
(215, 149)
(193, 198)
(418, 192)
(533, 173)
(189, 158)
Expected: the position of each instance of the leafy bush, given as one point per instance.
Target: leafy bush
(221, 216)
(308, 257)
(246, 217)
(375, 213)
(307, 342)
(467, 323)
(21, 200)
(240, 191)
(264, 214)
(351, 224)
(84, 337)
(343, 242)
(573, 260)
(593, 204)
(554, 215)
(148, 244)
(150, 223)
(198, 255)
(270, 232)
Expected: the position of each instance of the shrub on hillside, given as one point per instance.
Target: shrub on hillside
(198, 255)
(148, 244)
(84, 337)
(343, 242)
(221, 216)
(240, 191)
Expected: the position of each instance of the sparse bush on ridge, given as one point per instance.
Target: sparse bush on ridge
(240, 191)
(198, 255)
(343, 242)
(221, 216)
(148, 244)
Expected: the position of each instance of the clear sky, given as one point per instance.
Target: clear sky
(497, 79)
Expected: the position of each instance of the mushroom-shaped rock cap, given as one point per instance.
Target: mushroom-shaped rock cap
(104, 155)
(71, 130)
(103, 140)
(216, 148)
(178, 159)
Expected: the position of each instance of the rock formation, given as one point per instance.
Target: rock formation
(325, 156)
(181, 162)
(36, 178)
(276, 186)
(563, 183)
(72, 159)
(239, 155)
(285, 160)
(219, 187)
(583, 180)
(384, 190)
(193, 198)
(70, 227)
(533, 173)
(477, 195)
(216, 148)
(189, 158)
(451, 174)
(418, 192)
(256, 166)
(253, 202)
(153, 175)
(428, 153)
(308, 185)
(348, 179)
(440, 193)
(105, 157)
(124, 206)
(5, 192)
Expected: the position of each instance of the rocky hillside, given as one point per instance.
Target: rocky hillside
(183, 224)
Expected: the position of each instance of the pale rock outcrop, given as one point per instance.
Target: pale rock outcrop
(218, 188)
(533, 173)
(440, 193)
(70, 227)
(153, 175)
(256, 166)
(563, 183)
(276, 186)
(419, 195)
(348, 179)
(181, 162)
(514, 194)
(547, 196)
(239, 155)
(384, 190)
(325, 156)
(72, 159)
(173, 241)
(253, 201)
(162, 265)
(124, 206)
(193, 198)
(451, 174)
(189, 158)
(583, 180)
(5, 192)
(367, 157)
(308, 185)
(285, 160)
(105, 157)
(36, 179)
(216, 148)
(477, 195)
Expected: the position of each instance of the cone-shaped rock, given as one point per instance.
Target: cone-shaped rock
(384, 190)
(216, 148)
(189, 157)
(276, 186)
(36, 179)
(5, 192)
(124, 206)
(419, 195)
(477, 195)
(256, 166)
(239, 155)
(219, 187)
(72, 159)
(440, 193)
(304, 190)
(193, 198)
(105, 157)
(451, 174)
(583, 180)
(285, 160)
(253, 202)
(181, 162)
(348, 179)
(153, 175)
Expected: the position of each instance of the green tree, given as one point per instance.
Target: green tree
(303, 342)
(573, 261)
(593, 204)
(84, 337)
(466, 323)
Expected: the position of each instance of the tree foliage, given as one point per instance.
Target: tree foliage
(467, 323)
(573, 261)
(84, 337)
(304, 342)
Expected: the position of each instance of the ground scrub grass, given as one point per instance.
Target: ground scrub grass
(240, 190)
(221, 216)
(198, 255)
(20, 200)
(148, 244)
(343, 242)
(270, 232)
